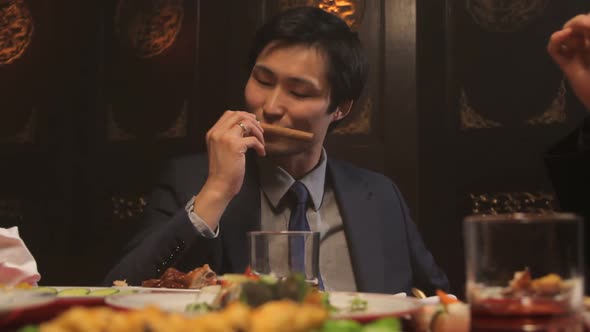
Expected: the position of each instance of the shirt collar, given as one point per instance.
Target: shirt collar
(275, 181)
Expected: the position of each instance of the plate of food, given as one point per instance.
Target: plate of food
(61, 292)
(370, 306)
(170, 302)
(175, 281)
(18, 299)
(361, 307)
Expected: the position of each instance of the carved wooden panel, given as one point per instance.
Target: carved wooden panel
(512, 202)
(24, 50)
(351, 11)
(149, 68)
(491, 102)
(503, 76)
(128, 208)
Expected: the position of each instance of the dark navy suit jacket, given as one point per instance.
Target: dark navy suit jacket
(386, 250)
(568, 164)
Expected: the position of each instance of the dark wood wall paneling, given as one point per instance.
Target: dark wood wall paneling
(86, 122)
(135, 104)
(510, 79)
(39, 103)
(149, 109)
(104, 116)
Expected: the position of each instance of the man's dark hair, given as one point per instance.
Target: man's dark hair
(347, 65)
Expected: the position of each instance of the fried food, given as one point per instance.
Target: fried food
(522, 282)
(286, 316)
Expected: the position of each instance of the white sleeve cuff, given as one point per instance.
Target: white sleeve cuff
(200, 225)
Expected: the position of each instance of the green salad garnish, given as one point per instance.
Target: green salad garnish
(382, 325)
(358, 304)
(198, 308)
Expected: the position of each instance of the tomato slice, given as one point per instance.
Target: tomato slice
(248, 273)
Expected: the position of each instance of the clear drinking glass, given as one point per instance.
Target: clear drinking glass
(524, 264)
(285, 253)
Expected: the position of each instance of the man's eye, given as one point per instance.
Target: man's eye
(300, 95)
(264, 82)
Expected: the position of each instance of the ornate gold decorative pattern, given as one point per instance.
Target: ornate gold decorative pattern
(505, 15)
(11, 211)
(470, 119)
(511, 202)
(16, 30)
(179, 128)
(555, 113)
(114, 132)
(351, 11)
(125, 208)
(27, 134)
(361, 124)
(149, 27)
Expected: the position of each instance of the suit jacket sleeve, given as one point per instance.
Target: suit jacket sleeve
(166, 236)
(568, 164)
(427, 276)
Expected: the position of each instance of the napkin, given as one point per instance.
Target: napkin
(17, 265)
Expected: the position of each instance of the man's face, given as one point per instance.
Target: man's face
(288, 87)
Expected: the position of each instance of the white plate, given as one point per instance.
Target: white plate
(125, 289)
(173, 302)
(161, 290)
(23, 299)
(378, 305)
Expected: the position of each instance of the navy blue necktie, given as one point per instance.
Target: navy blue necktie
(298, 222)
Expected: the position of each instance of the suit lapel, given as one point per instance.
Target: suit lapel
(361, 225)
(241, 216)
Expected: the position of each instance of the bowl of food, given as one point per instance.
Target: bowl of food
(524, 265)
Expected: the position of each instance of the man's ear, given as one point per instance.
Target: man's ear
(343, 110)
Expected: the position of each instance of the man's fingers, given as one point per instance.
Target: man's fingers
(252, 142)
(230, 119)
(228, 122)
(568, 49)
(579, 22)
(253, 128)
(562, 45)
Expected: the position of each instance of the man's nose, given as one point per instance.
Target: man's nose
(274, 105)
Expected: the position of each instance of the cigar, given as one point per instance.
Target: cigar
(287, 132)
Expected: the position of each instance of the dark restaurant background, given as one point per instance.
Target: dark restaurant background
(94, 95)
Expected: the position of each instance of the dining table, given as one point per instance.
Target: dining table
(36, 313)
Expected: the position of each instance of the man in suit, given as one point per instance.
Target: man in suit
(307, 69)
(568, 161)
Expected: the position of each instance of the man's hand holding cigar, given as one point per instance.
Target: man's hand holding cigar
(227, 143)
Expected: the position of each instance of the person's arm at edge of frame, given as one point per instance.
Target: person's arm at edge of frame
(426, 274)
(165, 227)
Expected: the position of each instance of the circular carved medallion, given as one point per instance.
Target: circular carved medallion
(148, 27)
(16, 30)
(351, 11)
(505, 15)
